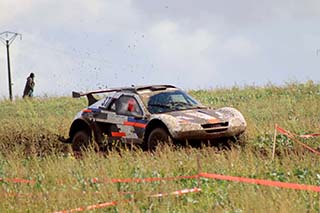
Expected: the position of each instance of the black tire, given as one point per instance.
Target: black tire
(241, 140)
(158, 136)
(82, 141)
(238, 141)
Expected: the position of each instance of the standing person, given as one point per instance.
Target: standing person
(28, 89)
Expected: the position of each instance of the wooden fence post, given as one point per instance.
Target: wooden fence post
(199, 171)
(274, 141)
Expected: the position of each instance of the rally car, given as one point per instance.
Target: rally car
(148, 115)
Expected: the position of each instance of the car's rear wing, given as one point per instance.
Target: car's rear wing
(79, 94)
(90, 97)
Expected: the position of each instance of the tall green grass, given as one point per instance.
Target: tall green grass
(294, 106)
(30, 150)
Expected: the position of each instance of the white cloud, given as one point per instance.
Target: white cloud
(88, 16)
(179, 53)
(240, 47)
(78, 44)
(172, 40)
(12, 9)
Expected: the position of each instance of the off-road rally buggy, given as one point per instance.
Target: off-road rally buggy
(147, 115)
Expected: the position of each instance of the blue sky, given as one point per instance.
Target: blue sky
(83, 45)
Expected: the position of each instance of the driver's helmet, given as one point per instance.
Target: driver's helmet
(131, 105)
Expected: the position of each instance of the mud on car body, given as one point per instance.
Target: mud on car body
(147, 115)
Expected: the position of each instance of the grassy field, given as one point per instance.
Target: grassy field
(30, 150)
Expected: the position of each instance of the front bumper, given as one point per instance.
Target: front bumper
(201, 134)
(210, 131)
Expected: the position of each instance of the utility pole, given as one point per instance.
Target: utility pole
(7, 38)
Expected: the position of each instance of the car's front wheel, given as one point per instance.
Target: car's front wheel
(82, 141)
(158, 136)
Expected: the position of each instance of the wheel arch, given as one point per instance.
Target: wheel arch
(79, 125)
(155, 123)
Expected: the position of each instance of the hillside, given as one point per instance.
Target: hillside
(30, 150)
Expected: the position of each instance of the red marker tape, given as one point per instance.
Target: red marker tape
(262, 182)
(310, 135)
(291, 136)
(114, 203)
(178, 192)
(140, 180)
(17, 180)
(91, 207)
(285, 132)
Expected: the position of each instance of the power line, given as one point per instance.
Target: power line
(7, 38)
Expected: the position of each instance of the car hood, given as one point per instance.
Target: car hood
(197, 119)
(200, 116)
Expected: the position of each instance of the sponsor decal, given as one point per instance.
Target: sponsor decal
(118, 134)
(180, 117)
(202, 115)
(213, 120)
(134, 124)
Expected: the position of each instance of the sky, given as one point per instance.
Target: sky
(80, 45)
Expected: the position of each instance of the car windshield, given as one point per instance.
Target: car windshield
(171, 101)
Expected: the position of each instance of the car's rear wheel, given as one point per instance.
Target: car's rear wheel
(158, 136)
(82, 141)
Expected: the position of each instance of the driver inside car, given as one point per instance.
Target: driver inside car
(131, 105)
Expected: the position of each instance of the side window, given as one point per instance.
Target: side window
(126, 105)
(105, 102)
(112, 107)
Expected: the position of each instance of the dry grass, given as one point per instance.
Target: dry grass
(30, 150)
